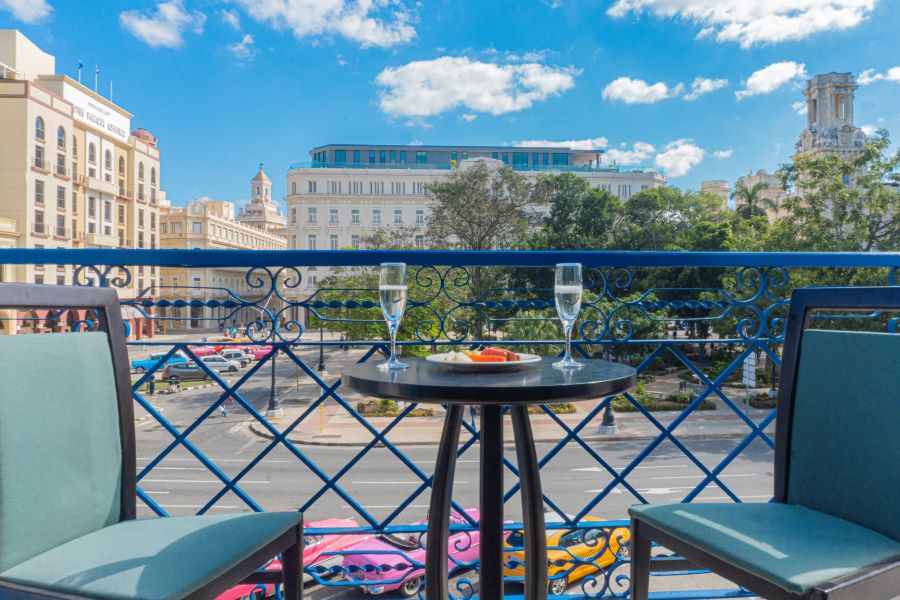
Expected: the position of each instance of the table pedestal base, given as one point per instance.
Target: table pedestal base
(490, 506)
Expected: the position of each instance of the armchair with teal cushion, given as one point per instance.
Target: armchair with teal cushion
(833, 530)
(67, 477)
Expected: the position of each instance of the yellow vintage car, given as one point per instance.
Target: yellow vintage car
(563, 544)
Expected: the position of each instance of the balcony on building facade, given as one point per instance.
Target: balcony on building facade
(101, 240)
(565, 168)
(689, 345)
(93, 183)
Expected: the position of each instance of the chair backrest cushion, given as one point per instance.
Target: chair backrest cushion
(845, 432)
(60, 450)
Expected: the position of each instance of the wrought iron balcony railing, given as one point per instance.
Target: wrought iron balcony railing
(692, 323)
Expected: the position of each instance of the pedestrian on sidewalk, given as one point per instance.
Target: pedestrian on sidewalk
(223, 407)
(152, 386)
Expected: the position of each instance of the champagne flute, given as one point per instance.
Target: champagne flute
(567, 291)
(392, 297)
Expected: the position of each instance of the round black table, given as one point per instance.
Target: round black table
(538, 383)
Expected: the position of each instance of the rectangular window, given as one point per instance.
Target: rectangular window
(196, 227)
(403, 157)
(60, 197)
(506, 158)
(38, 192)
(393, 157)
(39, 157)
(465, 154)
(311, 215)
(354, 241)
(312, 187)
(381, 156)
(420, 216)
(535, 159)
(74, 202)
(152, 220)
(311, 241)
(61, 225)
(453, 156)
(371, 156)
(546, 160)
(164, 227)
(39, 221)
(92, 207)
(333, 215)
(293, 216)
(61, 164)
(520, 159)
(140, 239)
(421, 157)
(107, 211)
(141, 192)
(333, 241)
(398, 216)
(340, 156)
(354, 215)
(560, 159)
(495, 155)
(420, 241)
(140, 217)
(376, 216)
(356, 157)
(121, 215)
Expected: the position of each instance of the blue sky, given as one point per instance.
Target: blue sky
(702, 89)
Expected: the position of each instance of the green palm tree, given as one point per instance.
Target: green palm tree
(750, 202)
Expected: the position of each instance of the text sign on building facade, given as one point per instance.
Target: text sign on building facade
(89, 111)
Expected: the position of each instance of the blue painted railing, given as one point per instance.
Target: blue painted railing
(732, 303)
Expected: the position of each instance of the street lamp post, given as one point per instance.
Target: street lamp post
(321, 366)
(274, 409)
(608, 425)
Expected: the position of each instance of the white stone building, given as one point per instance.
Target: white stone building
(829, 118)
(348, 191)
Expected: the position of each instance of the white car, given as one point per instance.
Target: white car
(237, 356)
(220, 363)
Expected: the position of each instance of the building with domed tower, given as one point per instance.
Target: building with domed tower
(262, 212)
(829, 118)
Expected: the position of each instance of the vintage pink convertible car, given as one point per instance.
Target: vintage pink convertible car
(315, 548)
(396, 550)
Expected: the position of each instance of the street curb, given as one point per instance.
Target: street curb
(256, 429)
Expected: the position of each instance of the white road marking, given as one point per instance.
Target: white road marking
(178, 469)
(223, 506)
(766, 496)
(236, 428)
(704, 476)
(602, 470)
(155, 492)
(241, 482)
(398, 482)
(214, 460)
(388, 506)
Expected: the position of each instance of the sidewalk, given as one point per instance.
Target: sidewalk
(331, 425)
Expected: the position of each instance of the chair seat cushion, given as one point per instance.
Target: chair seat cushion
(791, 546)
(152, 559)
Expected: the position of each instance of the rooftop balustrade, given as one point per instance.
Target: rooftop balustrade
(704, 331)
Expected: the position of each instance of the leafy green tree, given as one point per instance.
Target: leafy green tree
(842, 205)
(750, 202)
(579, 217)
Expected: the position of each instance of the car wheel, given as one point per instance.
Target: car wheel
(410, 587)
(232, 369)
(140, 370)
(558, 586)
(624, 552)
(173, 380)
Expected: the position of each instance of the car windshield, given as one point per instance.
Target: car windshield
(410, 543)
(515, 539)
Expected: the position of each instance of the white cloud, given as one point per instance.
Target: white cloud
(799, 106)
(870, 76)
(586, 144)
(638, 91)
(768, 79)
(751, 22)
(869, 130)
(166, 26)
(468, 117)
(244, 50)
(640, 152)
(702, 85)
(416, 143)
(231, 18)
(381, 23)
(429, 87)
(27, 11)
(723, 154)
(679, 157)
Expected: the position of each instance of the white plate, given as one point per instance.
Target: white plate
(524, 359)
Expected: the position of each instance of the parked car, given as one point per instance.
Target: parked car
(184, 371)
(237, 356)
(319, 552)
(462, 547)
(203, 350)
(258, 352)
(220, 363)
(590, 545)
(145, 364)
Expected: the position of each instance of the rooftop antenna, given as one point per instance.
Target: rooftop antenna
(110, 90)
(96, 76)
(80, 64)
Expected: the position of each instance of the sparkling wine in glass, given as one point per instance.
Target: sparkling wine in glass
(567, 291)
(392, 297)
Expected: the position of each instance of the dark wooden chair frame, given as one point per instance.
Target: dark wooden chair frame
(104, 303)
(875, 582)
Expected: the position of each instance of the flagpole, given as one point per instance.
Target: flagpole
(96, 77)
(79, 71)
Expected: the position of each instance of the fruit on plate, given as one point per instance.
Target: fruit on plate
(508, 355)
(486, 358)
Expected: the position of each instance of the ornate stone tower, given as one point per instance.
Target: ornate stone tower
(262, 213)
(829, 117)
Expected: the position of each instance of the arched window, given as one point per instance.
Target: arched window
(257, 191)
(92, 153)
(39, 128)
(140, 170)
(152, 175)
(61, 137)
(122, 165)
(107, 160)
